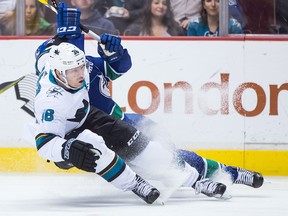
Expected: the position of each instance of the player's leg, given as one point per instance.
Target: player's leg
(113, 169)
(159, 163)
(205, 167)
(244, 176)
(209, 168)
(150, 159)
(109, 165)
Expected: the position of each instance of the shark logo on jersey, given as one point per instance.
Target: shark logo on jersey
(54, 91)
(81, 112)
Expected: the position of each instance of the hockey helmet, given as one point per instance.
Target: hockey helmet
(65, 56)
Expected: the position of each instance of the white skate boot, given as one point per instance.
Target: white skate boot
(210, 188)
(145, 191)
(250, 178)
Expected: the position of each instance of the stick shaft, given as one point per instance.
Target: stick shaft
(84, 28)
(6, 85)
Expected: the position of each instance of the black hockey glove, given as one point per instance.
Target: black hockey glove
(82, 155)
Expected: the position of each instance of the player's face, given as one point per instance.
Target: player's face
(212, 7)
(30, 10)
(83, 4)
(159, 8)
(75, 76)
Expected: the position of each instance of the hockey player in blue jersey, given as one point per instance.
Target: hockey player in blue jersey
(116, 65)
(100, 97)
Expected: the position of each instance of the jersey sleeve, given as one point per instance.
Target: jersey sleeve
(50, 131)
(123, 64)
(111, 71)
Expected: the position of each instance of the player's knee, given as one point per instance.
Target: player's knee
(127, 141)
(94, 139)
(192, 159)
(134, 146)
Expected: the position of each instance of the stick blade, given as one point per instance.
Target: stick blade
(45, 2)
(7, 85)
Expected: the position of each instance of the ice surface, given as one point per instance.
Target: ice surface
(88, 195)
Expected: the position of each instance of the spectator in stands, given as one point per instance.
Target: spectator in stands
(121, 13)
(92, 18)
(6, 5)
(208, 23)
(185, 11)
(7, 22)
(157, 20)
(35, 24)
(236, 11)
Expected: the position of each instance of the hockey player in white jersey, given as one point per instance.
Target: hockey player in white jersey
(61, 105)
(64, 81)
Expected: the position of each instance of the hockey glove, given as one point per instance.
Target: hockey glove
(82, 155)
(68, 21)
(110, 48)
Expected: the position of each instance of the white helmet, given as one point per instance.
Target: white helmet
(63, 57)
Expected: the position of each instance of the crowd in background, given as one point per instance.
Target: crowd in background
(154, 17)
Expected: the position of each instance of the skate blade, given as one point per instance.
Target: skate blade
(224, 197)
(159, 202)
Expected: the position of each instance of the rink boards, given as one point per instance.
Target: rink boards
(226, 98)
(270, 163)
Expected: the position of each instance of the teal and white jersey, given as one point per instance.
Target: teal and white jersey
(197, 27)
(57, 111)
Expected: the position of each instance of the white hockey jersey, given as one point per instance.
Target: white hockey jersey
(57, 111)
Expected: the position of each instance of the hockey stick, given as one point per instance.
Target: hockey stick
(84, 28)
(6, 85)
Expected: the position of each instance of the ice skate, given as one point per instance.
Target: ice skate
(145, 191)
(250, 178)
(210, 188)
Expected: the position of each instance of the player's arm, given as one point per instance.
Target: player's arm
(52, 146)
(68, 30)
(50, 129)
(81, 154)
